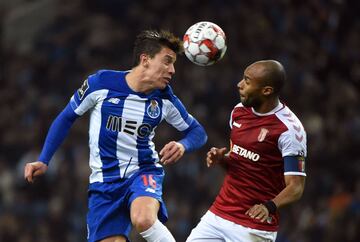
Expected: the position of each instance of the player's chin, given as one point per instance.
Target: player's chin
(244, 101)
(163, 86)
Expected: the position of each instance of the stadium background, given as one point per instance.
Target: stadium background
(48, 47)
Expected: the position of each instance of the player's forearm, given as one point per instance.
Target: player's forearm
(57, 133)
(195, 137)
(291, 193)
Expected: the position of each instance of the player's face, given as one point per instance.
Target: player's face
(161, 68)
(250, 87)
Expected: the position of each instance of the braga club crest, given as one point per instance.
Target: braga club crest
(153, 110)
(262, 134)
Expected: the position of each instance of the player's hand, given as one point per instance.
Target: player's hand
(33, 170)
(215, 155)
(171, 152)
(258, 211)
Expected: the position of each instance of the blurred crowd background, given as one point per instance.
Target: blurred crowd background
(48, 47)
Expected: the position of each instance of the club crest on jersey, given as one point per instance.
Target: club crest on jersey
(84, 87)
(153, 110)
(262, 134)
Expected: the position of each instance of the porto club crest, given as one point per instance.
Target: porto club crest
(153, 110)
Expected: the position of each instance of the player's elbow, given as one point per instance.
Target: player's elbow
(297, 191)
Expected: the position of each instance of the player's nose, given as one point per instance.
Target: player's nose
(172, 69)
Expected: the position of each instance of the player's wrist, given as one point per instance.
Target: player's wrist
(270, 206)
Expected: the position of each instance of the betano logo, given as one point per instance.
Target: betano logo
(248, 154)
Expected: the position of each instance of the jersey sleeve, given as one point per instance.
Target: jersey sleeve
(57, 133)
(175, 114)
(292, 145)
(293, 142)
(88, 95)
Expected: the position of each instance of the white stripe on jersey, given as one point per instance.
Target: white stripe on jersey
(94, 131)
(126, 144)
(173, 116)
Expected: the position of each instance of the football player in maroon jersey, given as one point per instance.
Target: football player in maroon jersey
(265, 166)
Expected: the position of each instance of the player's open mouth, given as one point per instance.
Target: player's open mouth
(167, 79)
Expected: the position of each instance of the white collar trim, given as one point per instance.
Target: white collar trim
(277, 108)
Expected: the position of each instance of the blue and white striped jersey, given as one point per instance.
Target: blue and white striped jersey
(122, 123)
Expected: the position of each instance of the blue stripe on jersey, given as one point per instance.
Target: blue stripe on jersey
(144, 151)
(108, 139)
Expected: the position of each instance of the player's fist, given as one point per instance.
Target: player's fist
(258, 211)
(171, 152)
(33, 170)
(215, 155)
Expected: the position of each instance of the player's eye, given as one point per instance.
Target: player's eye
(167, 61)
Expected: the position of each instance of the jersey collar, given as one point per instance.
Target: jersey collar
(276, 109)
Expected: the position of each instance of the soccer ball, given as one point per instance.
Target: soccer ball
(204, 43)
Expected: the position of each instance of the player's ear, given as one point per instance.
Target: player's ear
(267, 90)
(144, 60)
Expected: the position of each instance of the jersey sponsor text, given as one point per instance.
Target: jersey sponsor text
(248, 154)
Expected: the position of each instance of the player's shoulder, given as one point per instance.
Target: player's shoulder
(106, 74)
(294, 139)
(106, 79)
(166, 93)
(290, 120)
(239, 105)
(240, 110)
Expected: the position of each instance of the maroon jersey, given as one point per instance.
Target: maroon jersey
(255, 168)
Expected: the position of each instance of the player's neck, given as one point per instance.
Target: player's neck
(137, 82)
(267, 106)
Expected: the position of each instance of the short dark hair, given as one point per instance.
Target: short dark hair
(151, 42)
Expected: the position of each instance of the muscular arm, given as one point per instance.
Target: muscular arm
(292, 192)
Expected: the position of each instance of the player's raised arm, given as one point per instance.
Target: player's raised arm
(56, 135)
(194, 138)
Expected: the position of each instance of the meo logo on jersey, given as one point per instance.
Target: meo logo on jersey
(119, 124)
(153, 110)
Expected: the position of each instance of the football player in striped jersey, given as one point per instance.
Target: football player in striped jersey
(125, 108)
